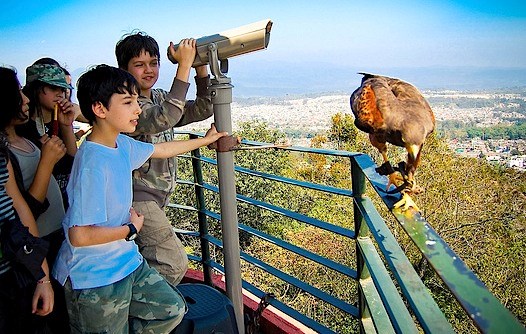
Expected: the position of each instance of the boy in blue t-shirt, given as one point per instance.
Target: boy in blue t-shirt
(109, 287)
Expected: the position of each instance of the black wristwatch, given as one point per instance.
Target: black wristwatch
(133, 232)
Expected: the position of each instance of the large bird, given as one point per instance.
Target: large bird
(393, 111)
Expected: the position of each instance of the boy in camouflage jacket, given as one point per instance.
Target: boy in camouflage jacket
(154, 182)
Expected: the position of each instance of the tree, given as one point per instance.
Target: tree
(342, 130)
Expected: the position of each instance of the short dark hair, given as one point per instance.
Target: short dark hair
(99, 84)
(10, 97)
(131, 45)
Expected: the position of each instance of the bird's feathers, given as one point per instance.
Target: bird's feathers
(392, 109)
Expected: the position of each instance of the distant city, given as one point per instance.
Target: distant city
(309, 114)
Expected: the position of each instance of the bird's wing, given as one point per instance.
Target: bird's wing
(364, 106)
(411, 114)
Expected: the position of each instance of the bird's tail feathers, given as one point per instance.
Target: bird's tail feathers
(367, 75)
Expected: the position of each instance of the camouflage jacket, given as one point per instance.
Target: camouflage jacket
(155, 180)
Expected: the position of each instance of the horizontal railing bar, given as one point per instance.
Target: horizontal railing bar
(186, 232)
(286, 148)
(299, 217)
(288, 246)
(195, 258)
(282, 179)
(485, 310)
(291, 214)
(303, 184)
(286, 180)
(181, 207)
(379, 319)
(305, 149)
(301, 251)
(342, 305)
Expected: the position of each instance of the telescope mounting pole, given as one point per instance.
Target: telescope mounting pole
(221, 93)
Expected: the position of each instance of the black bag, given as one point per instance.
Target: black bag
(26, 251)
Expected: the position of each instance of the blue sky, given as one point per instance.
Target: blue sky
(336, 34)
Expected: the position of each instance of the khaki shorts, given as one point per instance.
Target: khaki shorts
(158, 243)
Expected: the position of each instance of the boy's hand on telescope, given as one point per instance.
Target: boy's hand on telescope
(185, 53)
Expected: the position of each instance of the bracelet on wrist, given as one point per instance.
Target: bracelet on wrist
(44, 282)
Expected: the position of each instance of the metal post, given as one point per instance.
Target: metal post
(201, 206)
(360, 228)
(221, 92)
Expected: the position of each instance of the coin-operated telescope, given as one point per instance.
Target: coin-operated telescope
(215, 50)
(231, 43)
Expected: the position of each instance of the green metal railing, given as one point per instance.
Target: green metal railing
(391, 295)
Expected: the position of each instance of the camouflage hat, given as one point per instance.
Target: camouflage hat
(50, 74)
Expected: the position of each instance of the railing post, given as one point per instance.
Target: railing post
(360, 229)
(201, 216)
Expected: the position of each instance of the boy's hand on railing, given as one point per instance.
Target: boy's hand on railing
(212, 135)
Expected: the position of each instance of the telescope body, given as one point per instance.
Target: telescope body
(231, 43)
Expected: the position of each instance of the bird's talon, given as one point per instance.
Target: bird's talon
(405, 203)
(385, 169)
(395, 179)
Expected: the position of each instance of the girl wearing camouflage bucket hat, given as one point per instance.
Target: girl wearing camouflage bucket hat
(46, 87)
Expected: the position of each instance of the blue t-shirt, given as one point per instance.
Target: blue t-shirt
(100, 194)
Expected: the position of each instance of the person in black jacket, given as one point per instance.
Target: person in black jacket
(33, 167)
(19, 303)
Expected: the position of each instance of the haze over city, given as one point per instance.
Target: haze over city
(314, 47)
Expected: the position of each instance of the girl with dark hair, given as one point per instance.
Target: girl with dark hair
(50, 113)
(34, 163)
(17, 305)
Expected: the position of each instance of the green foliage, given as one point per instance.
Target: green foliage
(498, 132)
(342, 130)
(457, 129)
(479, 211)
